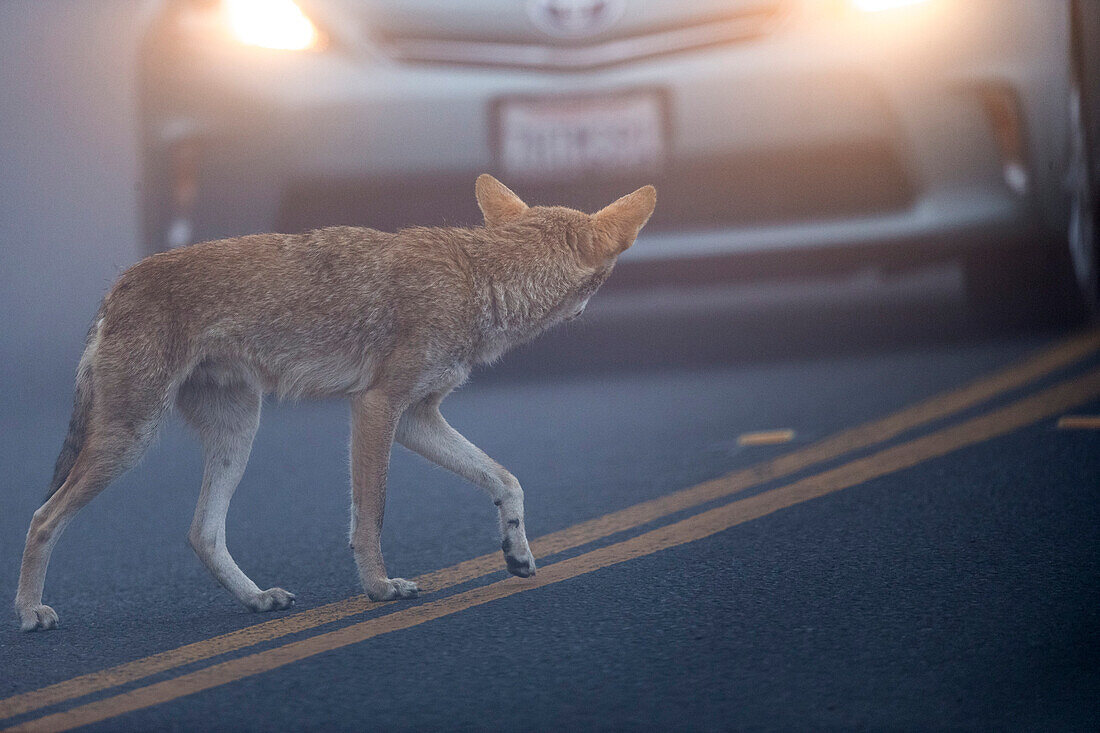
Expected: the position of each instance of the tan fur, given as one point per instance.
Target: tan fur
(392, 320)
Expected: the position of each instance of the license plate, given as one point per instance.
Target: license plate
(562, 137)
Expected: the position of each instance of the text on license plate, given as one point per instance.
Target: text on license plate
(562, 137)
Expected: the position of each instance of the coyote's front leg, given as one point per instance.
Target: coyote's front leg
(373, 420)
(423, 429)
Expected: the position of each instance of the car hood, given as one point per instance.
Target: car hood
(564, 22)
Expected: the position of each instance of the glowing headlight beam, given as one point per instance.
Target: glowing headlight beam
(278, 24)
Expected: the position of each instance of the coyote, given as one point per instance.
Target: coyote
(394, 321)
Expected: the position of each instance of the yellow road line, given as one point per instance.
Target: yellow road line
(1039, 365)
(705, 524)
(1079, 422)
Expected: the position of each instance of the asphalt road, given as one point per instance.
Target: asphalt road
(940, 576)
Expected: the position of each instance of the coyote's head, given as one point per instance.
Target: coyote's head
(573, 251)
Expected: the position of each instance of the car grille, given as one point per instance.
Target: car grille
(563, 55)
(828, 182)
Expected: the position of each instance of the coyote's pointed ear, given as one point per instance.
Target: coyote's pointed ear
(497, 202)
(621, 221)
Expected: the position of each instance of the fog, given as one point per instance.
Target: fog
(68, 193)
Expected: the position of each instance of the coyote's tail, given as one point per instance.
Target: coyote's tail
(82, 406)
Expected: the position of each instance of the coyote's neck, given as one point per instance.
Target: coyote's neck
(522, 286)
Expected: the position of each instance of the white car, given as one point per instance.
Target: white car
(898, 130)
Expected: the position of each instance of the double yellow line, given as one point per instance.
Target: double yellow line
(1044, 404)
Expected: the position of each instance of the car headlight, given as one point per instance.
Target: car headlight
(277, 24)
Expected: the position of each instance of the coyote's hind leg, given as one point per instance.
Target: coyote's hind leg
(226, 417)
(111, 447)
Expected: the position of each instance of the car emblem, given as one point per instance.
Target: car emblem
(574, 18)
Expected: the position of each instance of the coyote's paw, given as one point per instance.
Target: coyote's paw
(37, 618)
(272, 599)
(392, 589)
(520, 563)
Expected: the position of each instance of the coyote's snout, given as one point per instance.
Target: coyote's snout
(395, 321)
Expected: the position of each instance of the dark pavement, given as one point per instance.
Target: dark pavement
(961, 593)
